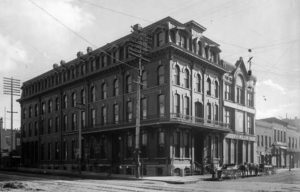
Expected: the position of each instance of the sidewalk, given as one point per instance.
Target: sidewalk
(93, 175)
(178, 180)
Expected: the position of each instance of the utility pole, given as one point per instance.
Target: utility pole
(11, 87)
(1, 125)
(139, 46)
(81, 108)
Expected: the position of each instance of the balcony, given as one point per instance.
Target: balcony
(168, 118)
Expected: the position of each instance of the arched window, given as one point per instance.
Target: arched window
(187, 79)
(161, 75)
(104, 91)
(116, 87)
(128, 84)
(93, 94)
(73, 99)
(177, 75)
(216, 89)
(239, 90)
(208, 85)
(198, 83)
(144, 79)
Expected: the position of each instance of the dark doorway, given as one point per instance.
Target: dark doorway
(240, 152)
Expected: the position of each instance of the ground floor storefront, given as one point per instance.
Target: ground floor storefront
(171, 149)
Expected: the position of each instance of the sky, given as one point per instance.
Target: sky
(35, 34)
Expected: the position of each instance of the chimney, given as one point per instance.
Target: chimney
(89, 49)
(79, 54)
(62, 62)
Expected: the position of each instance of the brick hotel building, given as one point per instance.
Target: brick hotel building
(195, 107)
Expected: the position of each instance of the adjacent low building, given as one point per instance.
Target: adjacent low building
(195, 108)
(278, 142)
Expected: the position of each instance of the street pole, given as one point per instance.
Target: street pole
(1, 125)
(11, 87)
(138, 48)
(79, 142)
(138, 119)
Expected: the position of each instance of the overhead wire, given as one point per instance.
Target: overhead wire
(133, 16)
(78, 35)
(113, 10)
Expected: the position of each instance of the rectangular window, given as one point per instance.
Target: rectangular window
(250, 124)
(216, 113)
(65, 122)
(161, 100)
(250, 99)
(56, 124)
(161, 143)
(270, 142)
(103, 115)
(239, 95)
(144, 108)
(43, 108)
(93, 120)
(258, 140)
(228, 117)
(49, 126)
(144, 144)
(187, 106)
(56, 150)
(266, 141)
(262, 140)
(228, 92)
(74, 121)
(83, 122)
(275, 136)
(129, 151)
(129, 111)
(177, 104)
(116, 113)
